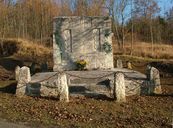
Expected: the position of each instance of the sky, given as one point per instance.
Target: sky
(165, 5)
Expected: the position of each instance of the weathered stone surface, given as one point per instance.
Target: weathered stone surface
(129, 65)
(119, 63)
(155, 79)
(64, 92)
(77, 38)
(133, 87)
(148, 74)
(50, 84)
(120, 87)
(153, 76)
(17, 70)
(33, 89)
(89, 82)
(158, 90)
(44, 67)
(33, 68)
(24, 78)
(146, 88)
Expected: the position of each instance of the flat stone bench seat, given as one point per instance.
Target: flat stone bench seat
(100, 73)
(41, 84)
(101, 81)
(48, 84)
(42, 77)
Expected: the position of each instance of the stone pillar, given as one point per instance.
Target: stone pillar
(64, 92)
(33, 69)
(119, 63)
(129, 65)
(17, 70)
(44, 67)
(155, 80)
(24, 78)
(148, 69)
(120, 87)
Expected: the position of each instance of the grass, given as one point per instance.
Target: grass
(143, 49)
(138, 59)
(22, 52)
(141, 111)
(27, 50)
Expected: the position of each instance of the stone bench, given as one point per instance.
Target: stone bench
(102, 81)
(108, 82)
(49, 84)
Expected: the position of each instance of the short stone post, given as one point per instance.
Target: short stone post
(119, 63)
(17, 70)
(64, 93)
(120, 87)
(44, 67)
(24, 78)
(148, 72)
(149, 83)
(32, 68)
(155, 80)
(129, 65)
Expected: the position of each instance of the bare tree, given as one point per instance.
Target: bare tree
(147, 9)
(112, 9)
(132, 27)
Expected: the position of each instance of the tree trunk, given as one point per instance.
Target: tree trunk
(152, 38)
(132, 26)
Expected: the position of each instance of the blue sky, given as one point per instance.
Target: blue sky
(165, 5)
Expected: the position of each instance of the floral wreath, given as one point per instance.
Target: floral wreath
(107, 47)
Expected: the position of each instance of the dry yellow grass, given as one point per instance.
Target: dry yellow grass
(143, 49)
(29, 50)
(34, 51)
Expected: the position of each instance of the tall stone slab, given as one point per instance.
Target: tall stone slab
(23, 79)
(82, 37)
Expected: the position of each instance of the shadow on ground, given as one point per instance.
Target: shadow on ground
(10, 63)
(163, 95)
(100, 97)
(11, 88)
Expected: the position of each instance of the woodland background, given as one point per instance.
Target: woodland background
(134, 21)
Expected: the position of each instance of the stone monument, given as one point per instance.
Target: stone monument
(82, 38)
